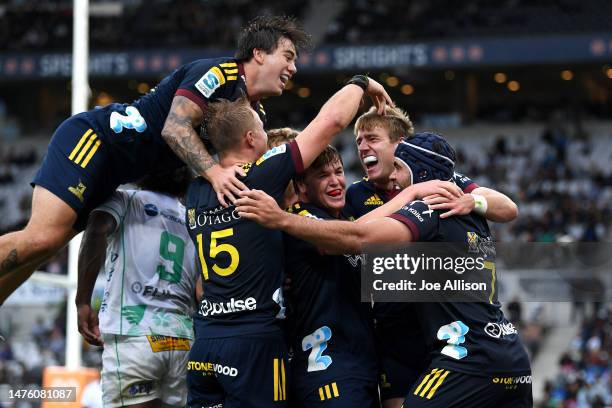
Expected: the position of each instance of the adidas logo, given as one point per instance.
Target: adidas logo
(374, 200)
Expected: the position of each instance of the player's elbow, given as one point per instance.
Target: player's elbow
(507, 213)
(168, 131)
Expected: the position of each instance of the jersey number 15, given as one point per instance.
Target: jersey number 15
(216, 249)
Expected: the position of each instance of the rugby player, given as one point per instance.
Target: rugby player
(331, 333)
(377, 137)
(277, 137)
(239, 357)
(470, 365)
(139, 238)
(92, 153)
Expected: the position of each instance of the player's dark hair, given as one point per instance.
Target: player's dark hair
(395, 121)
(226, 122)
(263, 33)
(170, 182)
(328, 156)
(277, 137)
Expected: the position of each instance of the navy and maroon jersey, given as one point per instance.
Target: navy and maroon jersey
(400, 343)
(325, 293)
(363, 196)
(134, 131)
(94, 152)
(241, 261)
(330, 329)
(469, 337)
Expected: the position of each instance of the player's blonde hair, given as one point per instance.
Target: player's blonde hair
(395, 121)
(227, 122)
(277, 137)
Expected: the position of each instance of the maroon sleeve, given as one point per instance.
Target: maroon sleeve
(414, 230)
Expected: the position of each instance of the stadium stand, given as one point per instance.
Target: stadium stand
(559, 172)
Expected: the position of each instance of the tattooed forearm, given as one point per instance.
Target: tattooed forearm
(180, 135)
(9, 263)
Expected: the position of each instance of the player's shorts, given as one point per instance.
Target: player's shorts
(76, 168)
(246, 371)
(401, 359)
(307, 392)
(439, 387)
(137, 369)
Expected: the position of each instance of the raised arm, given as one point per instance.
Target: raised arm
(91, 259)
(336, 114)
(180, 134)
(335, 237)
(500, 208)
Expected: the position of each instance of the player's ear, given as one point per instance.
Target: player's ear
(250, 138)
(258, 55)
(300, 187)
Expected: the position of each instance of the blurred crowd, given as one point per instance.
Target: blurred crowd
(25, 355)
(364, 21)
(47, 25)
(35, 24)
(584, 379)
(561, 181)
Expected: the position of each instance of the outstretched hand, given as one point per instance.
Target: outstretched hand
(256, 205)
(379, 96)
(225, 183)
(88, 324)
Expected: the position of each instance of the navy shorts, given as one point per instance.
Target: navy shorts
(246, 371)
(76, 168)
(402, 357)
(307, 392)
(439, 387)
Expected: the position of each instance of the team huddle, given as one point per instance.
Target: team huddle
(231, 301)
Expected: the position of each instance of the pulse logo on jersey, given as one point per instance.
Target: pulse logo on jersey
(151, 210)
(208, 308)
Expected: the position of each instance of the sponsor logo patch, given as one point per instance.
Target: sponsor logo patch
(191, 220)
(142, 388)
(472, 240)
(212, 368)
(165, 343)
(497, 330)
(208, 308)
(210, 81)
(78, 191)
(270, 153)
(151, 210)
(374, 200)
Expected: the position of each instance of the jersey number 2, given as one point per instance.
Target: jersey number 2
(317, 341)
(454, 334)
(133, 120)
